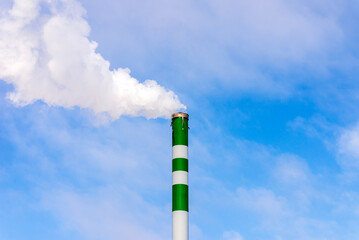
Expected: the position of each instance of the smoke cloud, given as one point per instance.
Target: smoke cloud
(46, 55)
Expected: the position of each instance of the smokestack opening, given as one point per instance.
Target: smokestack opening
(181, 115)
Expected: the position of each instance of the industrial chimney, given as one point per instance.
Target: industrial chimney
(180, 176)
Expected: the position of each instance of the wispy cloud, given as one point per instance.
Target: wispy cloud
(251, 46)
(348, 147)
(232, 235)
(111, 184)
(110, 213)
(93, 186)
(113, 181)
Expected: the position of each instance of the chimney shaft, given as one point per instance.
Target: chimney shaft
(179, 176)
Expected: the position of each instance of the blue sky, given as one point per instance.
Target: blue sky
(271, 89)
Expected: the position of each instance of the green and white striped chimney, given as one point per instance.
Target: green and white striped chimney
(180, 176)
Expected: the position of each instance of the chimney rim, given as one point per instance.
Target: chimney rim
(180, 114)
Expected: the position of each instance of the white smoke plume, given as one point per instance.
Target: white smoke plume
(46, 55)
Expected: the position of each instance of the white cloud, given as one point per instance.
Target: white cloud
(290, 169)
(348, 147)
(49, 57)
(262, 201)
(231, 235)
